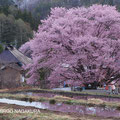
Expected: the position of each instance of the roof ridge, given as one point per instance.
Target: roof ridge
(22, 60)
(13, 56)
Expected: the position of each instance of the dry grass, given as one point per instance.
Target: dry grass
(95, 101)
(45, 115)
(40, 116)
(65, 100)
(58, 97)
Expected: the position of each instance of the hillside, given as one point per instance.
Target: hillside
(31, 12)
(16, 26)
(41, 8)
(36, 3)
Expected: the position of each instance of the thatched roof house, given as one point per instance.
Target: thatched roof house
(11, 71)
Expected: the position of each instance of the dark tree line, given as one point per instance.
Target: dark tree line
(6, 2)
(41, 9)
(16, 26)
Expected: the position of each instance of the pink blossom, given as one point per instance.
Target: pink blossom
(87, 40)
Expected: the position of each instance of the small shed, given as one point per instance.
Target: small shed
(11, 71)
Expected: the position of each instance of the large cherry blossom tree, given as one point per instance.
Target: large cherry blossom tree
(77, 45)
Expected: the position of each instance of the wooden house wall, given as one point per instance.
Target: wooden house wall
(9, 78)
